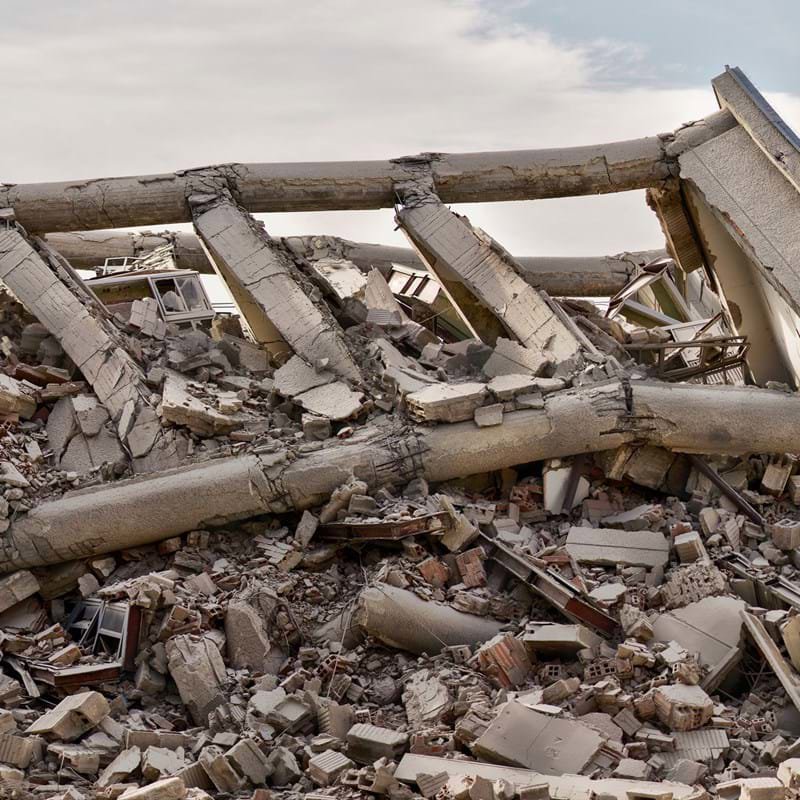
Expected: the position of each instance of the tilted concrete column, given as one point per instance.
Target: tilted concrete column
(481, 278)
(88, 340)
(268, 286)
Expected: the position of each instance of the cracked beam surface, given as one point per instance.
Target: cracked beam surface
(336, 185)
(598, 417)
(115, 378)
(268, 287)
(480, 276)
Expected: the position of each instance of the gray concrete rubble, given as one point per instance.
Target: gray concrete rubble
(405, 524)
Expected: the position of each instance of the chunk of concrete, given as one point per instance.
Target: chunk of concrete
(789, 773)
(564, 641)
(168, 789)
(16, 587)
(16, 398)
(507, 387)
(790, 633)
(180, 406)
(681, 707)
(283, 767)
(400, 619)
(556, 481)
(567, 786)
(246, 638)
(335, 401)
(297, 376)
(519, 736)
(249, 761)
(688, 626)
(198, 670)
(72, 717)
(367, 743)
(611, 547)
(126, 763)
(511, 358)
(488, 416)
(220, 770)
(160, 762)
(427, 700)
(446, 402)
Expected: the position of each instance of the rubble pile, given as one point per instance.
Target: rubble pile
(405, 524)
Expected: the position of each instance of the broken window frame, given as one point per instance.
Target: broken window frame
(95, 631)
(152, 279)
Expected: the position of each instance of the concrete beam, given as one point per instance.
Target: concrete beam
(559, 276)
(684, 417)
(327, 186)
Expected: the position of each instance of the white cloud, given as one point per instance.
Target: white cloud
(99, 90)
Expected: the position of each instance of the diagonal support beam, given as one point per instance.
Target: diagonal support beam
(268, 286)
(481, 278)
(87, 339)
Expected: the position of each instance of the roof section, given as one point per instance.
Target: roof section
(761, 121)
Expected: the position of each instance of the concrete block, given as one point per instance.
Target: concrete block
(16, 587)
(198, 670)
(562, 745)
(689, 547)
(249, 761)
(367, 743)
(324, 768)
(785, 533)
(18, 751)
(681, 707)
(72, 717)
(167, 789)
(220, 770)
(612, 547)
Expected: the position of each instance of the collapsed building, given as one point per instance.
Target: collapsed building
(411, 522)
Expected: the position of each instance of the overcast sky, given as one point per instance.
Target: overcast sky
(93, 88)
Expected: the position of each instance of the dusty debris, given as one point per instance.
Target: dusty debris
(405, 522)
